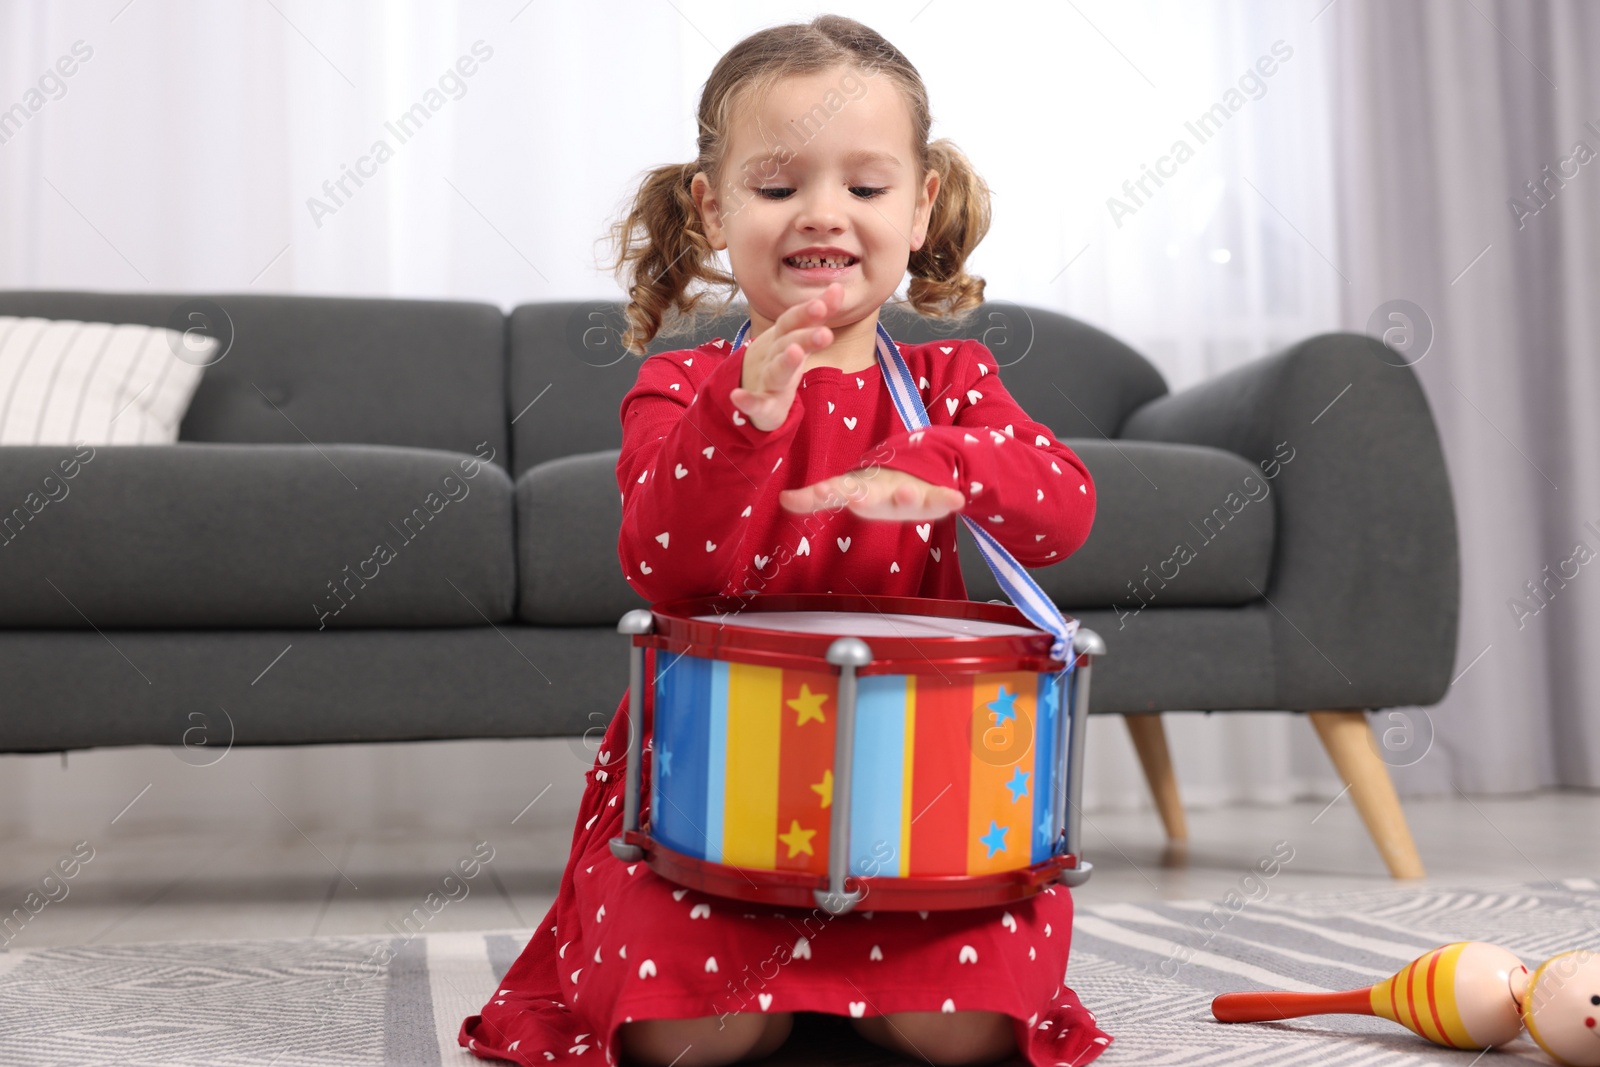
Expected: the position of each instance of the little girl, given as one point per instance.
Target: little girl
(815, 174)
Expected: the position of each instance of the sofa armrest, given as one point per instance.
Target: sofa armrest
(1365, 579)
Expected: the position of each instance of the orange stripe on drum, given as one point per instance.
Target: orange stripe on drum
(1001, 762)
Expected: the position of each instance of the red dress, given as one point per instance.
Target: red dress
(700, 486)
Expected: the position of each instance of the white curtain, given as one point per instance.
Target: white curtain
(190, 152)
(1457, 124)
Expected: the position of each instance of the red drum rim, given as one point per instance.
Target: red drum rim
(881, 893)
(676, 630)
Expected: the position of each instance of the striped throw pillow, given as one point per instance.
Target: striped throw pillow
(63, 382)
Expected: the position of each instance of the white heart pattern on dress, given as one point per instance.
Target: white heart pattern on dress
(968, 954)
(951, 403)
(1009, 432)
(805, 547)
(674, 385)
(679, 471)
(968, 437)
(642, 476)
(745, 514)
(711, 965)
(850, 422)
(738, 419)
(983, 368)
(860, 384)
(711, 546)
(843, 543)
(916, 438)
(765, 999)
(647, 969)
(644, 567)
(948, 1006)
(1040, 537)
(761, 561)
(662, 537)
(875, 954)
(700, 911)
(1040, 495)
(1041, 439)
(936, 554)
(997, 518)
(678, 894)
(706, 451)
(945, 350)
(1009, 922)
(976, 488)
(922, 383)
(894, 568)
(802, 949)
(858, 1008)
(973, 396)
(830, 407)
(689, 362)
(600, 914)
(1054, 467)
(923, 529)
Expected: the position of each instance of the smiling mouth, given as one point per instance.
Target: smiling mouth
(813, 262)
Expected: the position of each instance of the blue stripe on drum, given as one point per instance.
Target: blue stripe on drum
(1047, 720)
(678, 794)
(716, 759)
(876, 775)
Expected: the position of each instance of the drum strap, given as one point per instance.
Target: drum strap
(1017, 583)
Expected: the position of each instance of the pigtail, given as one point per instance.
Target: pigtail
(940, 286)
(662, 250)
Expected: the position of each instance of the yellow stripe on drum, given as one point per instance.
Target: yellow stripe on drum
(750, 814)
(906, 814)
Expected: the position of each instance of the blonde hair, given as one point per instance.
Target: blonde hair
(662, 248)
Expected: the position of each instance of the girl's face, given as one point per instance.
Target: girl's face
(823, 162)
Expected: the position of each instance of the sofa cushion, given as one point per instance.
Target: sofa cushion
(1152, 500)
(225, 535)
(1173, 524)
(377, 371)
(569, 516)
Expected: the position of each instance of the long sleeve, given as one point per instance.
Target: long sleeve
(1028, 490)
(692, 465)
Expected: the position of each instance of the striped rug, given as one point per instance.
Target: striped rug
(1148, 971)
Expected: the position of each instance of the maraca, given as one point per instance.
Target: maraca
(1467, 994)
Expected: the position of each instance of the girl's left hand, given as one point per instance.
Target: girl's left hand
(876, 493)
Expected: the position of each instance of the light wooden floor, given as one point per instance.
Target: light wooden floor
(142, 887)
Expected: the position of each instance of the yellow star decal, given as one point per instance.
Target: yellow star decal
(824, 788)
(808, 704)
(797, 839)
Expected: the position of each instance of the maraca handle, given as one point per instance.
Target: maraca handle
(1265, 1007)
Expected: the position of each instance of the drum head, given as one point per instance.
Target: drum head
(869, 624)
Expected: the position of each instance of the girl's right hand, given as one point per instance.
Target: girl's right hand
(773, 361)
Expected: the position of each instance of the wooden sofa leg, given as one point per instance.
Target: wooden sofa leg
(1150, 741)
(1348, 739)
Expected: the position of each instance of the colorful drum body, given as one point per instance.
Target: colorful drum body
(949, 789)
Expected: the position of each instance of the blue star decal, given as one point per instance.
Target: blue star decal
(666, 762)
(995, 838)
(1018, 785)
(1046, 831)
(1001, 706)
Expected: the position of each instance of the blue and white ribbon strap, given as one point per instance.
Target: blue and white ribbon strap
(1017, 583)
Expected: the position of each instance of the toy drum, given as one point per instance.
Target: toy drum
(810, 749)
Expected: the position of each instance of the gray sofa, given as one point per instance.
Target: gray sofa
(216, 584)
